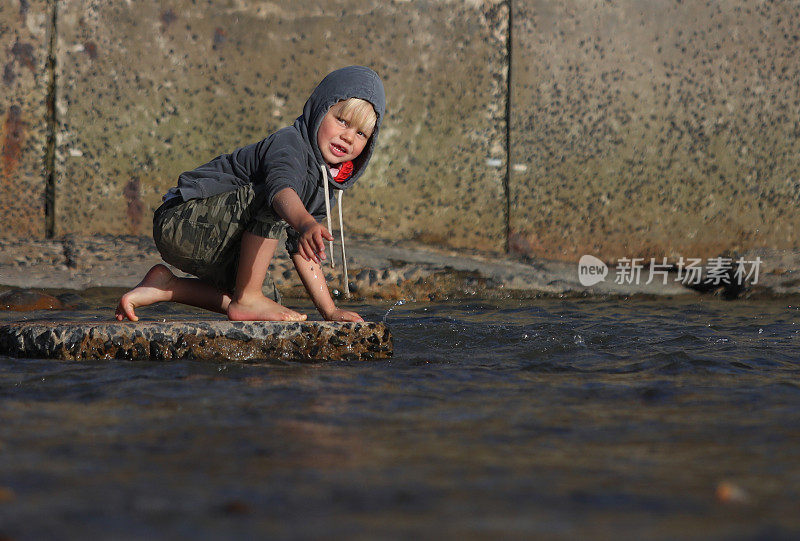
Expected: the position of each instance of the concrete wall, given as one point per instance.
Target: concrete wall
(24, 40)
(637, 128)
(654, 128)
(149, 89)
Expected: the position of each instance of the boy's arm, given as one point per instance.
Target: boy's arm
(313, 279)
(287, 205)
(312, 250)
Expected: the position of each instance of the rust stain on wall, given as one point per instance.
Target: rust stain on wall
(13, 137)
(23, 53)
(167, 18)
(9, 75)
(90, 48)
(220, 37)
(135, 209)
(23, 11)
(521, 243)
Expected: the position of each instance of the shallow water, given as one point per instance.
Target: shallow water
(521, 419)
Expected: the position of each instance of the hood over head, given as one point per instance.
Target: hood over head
(350, 82)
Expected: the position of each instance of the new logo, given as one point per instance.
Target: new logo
(591, 270)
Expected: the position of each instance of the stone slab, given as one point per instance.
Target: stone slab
(148, 90)
(201, 340)
(644, 128)
(24, 42)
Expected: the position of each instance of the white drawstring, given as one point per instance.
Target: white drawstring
(324, 170)
(345, 284)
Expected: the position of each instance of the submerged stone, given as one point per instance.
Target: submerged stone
(25, 300)
(203, 340)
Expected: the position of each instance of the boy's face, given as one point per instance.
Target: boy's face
(339, 141)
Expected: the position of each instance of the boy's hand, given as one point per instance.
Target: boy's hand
(312, 241)
(287, 205)
(343, 315)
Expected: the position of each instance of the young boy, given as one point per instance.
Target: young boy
(223, 221)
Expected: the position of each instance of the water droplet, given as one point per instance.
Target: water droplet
(398, 303)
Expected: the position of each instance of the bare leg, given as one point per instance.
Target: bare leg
(249, 303)
(159, 284)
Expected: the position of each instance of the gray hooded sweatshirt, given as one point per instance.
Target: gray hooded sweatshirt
(290, 157)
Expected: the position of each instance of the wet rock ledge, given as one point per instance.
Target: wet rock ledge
(203, 340)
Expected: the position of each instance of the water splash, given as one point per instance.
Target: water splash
(401, 302)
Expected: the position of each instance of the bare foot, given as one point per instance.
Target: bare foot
(154, 287)
(261, 309)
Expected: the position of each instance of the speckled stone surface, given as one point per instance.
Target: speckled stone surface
(202, 340)
(654, 128)
(149, 90)
(24, 39)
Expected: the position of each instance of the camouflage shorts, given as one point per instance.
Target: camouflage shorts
(203, 236)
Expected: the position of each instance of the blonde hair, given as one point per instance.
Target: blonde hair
(359, 113)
